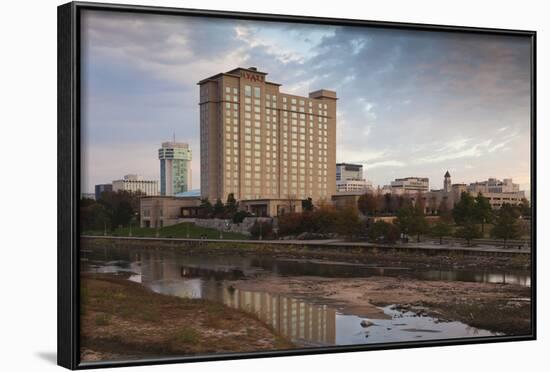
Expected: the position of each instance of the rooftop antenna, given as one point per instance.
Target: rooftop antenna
(174, 137)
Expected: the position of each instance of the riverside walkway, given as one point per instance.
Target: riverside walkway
(427, 246)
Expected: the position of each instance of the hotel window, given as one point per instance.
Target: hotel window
(235, 91)
(247, 100)
(227, 89)
(228, 97)
(257, 92)
(284, 99)
(235, 106)
(247, 90)
(227, 105)
(247, 107)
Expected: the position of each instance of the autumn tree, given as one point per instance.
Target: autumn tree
(464, 211)
(307, 205)
(507, 224)
(468, 231)
(388, 232)
(525, 207)
(206, 208)
(412, 221)
(440, 230)
(219, 209)
(231, 205)
(121, 206)
(368, 204)
(483, 212)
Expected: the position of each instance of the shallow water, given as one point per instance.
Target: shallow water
(306, 322)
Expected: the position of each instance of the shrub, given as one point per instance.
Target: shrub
(383, 231)
(239, 216)
(261, 230)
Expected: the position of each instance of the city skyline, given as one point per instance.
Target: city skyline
(411, 103)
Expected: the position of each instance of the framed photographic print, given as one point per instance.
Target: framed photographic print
(237, 185)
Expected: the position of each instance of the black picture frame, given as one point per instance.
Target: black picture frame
(69, 180)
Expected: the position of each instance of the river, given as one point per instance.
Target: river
(307, 322)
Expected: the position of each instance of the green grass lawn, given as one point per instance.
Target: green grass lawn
(180, 230)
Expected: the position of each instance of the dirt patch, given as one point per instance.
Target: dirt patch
(502, 308)
(124, 320)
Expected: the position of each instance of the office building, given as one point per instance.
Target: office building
(492, 185)
(135, 183)
(497, 192)
(410, 185)
(175, 168)
(265, 145)
(349, 178)
(102, 188)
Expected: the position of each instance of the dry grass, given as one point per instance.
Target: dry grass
(123, 320)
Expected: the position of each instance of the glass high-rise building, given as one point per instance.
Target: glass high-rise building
(175, 168)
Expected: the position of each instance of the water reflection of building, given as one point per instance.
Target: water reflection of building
(304, 323)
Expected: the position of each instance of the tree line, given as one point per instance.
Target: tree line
(113, 209)
(467, 219)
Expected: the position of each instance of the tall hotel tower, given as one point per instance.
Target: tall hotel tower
(261, 144)
(175, 168)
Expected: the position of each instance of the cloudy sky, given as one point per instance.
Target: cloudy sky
(411, 103)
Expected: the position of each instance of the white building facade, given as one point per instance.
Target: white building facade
(135, 183)
(349, 178)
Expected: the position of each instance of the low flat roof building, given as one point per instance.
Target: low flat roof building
(135, 183)
(410, 185)
(162, 211)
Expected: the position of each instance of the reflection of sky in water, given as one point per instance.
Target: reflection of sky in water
(306, 323)
(402, 327)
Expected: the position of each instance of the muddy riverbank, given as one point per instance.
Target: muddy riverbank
(125, 320)
(319, 299)
(501, 308)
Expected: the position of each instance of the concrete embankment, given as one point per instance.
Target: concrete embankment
(319, 245)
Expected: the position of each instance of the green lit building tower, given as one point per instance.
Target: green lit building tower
(175, 168)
